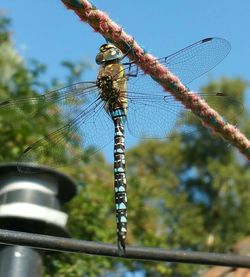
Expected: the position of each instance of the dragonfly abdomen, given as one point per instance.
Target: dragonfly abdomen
(119, 117)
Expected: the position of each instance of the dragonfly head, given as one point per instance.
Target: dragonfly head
(108, 52)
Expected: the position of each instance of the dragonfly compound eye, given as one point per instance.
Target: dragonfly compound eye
(108, 52)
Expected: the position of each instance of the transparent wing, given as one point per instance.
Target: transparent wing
(68, 100)
(150, 114)
(188, 64)
(86, 123)
(92, 127)
(197, 59)
(162, 116)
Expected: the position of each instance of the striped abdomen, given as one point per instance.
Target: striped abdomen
(119, 117)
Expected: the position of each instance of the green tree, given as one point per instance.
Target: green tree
(23, 124)
(197, 185)
(181, 196)
(187, 193)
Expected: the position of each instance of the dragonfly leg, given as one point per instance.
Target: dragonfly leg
(130, 74)
(129, 49)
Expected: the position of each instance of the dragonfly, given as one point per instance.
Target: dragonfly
(122, 97)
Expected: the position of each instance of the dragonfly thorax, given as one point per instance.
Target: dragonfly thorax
(108, 90)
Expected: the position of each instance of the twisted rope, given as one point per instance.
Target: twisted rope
(101, 23)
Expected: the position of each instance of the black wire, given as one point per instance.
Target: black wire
(140, 253)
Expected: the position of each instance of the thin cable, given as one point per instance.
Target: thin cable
(110, 250)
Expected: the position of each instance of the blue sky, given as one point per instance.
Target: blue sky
(47, 31)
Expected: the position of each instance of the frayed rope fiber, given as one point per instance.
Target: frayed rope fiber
(101, 23)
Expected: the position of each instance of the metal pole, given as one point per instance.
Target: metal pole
(31, 202)
(18, 261)
(138, 253)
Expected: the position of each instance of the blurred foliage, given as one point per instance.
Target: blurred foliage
(24, 123)
(196, 188)
(188, 193)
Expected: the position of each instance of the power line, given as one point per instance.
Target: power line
(140, 253)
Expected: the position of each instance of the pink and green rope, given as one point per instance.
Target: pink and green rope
(101, 23)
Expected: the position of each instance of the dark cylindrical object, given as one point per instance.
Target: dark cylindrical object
(138, 253)
(31, 202)
(16, 261)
